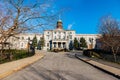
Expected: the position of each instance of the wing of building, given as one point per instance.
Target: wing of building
(54, 39)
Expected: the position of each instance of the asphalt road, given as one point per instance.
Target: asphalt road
(60, 66)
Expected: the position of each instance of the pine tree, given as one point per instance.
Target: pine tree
(34, 41)
(42, 42)
(76, 44)
(83, 43)
(71, 45)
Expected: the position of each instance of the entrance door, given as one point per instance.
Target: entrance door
(59, 45)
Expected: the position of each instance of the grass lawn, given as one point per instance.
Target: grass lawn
(11, 55)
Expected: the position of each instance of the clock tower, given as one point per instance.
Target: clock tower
(59, 24)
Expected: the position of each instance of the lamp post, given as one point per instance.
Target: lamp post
(29, 45)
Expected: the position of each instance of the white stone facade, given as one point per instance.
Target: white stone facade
(65, 36)
(58, 38)
(21, 40)
(90, 39)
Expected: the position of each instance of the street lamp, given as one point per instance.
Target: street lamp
(29, 45)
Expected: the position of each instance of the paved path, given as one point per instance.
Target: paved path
(57, 66)
(14, 66)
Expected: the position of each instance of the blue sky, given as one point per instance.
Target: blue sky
(84, 15)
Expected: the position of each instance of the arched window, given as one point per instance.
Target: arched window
(22, 45)
(22, 38)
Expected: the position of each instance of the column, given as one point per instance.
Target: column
(52, 45)
(61, 45)
(66, 46)
(56, 44)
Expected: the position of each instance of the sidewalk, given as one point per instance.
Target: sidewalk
(111, 70)
(14, 66)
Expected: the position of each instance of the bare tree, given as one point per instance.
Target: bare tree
(18, 16)
(110, 30)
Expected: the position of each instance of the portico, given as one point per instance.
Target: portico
(58, 38)
(59, 44)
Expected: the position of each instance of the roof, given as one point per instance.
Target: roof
(59, 20)
(88, 34)
(59, 30)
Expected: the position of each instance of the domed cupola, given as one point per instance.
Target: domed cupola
(59, 24)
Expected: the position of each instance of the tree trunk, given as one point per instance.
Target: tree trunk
(114, 54)
(115, 57)
(1, 52)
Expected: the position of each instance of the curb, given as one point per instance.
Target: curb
(5, 74)
(106, 71)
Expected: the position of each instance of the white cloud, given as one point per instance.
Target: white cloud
(70, 26)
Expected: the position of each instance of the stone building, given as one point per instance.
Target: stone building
(54, 39)
(21, 41)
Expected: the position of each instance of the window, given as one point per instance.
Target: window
(64, 37)
(48, 37)
(59, 32)
(67, 37)
(59, 37)
(28, 38)
(54, 45)
(18, 37)
(47, 44)
(48, 32)
(70, 36)
(55, 37)
(15, 44)
(22, 45)
(70, 32)
(91, 40)
(55, 32)
(22, 38)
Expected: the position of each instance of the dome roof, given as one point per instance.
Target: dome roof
(59, 24)
(59, 20)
